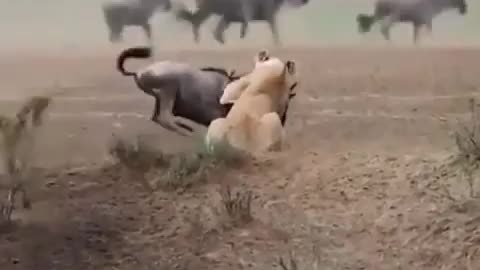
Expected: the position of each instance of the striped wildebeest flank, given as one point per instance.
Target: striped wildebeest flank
(418, 12)
(121, 13)
(236, 11)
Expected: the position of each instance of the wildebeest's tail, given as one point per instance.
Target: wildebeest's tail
(365, 22)
(135, 52)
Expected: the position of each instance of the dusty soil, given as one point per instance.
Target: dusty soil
(362, 185)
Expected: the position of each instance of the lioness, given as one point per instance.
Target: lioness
(253, 123)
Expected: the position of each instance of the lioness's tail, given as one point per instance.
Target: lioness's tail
(135, 52)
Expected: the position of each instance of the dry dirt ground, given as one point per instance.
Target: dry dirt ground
(362, 185)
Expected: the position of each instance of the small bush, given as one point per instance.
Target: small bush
(292, 262)
(467, 137)
(171, 171)
(238, 205)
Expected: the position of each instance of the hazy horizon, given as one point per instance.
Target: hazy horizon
(60, 24)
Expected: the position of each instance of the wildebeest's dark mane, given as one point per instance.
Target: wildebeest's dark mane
(223, 72)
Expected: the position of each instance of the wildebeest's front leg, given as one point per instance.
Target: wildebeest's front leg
(385, 25)
(247, 17)
(272, 22)
(220, 30)
(199, 18)
(243, 30)
(417, 26)
(416, 32)
(148, 31)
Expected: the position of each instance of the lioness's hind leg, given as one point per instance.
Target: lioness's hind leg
(270, 132)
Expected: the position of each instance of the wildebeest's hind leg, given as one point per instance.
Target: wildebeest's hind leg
(156, 109)
(165, 118)
(220, 30)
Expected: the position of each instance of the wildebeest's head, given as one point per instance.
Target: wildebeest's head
(296, 3)
(461, 5)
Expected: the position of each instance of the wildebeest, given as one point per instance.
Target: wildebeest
(181, 91)
(253, 123)
(121, 13)
(236, 11)
(418, 12)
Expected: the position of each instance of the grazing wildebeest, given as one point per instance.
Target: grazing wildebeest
(121, 13)
(418, 12)
(181, 90)
(236, 11)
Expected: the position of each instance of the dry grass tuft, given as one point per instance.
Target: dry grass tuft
(467, 137)
(238, 205)
(292, 262)
(158, 169)
(18, 134)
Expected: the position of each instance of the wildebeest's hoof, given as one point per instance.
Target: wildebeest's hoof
(220, 40)
(27, 204)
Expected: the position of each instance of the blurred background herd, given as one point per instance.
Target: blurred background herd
(69, 24)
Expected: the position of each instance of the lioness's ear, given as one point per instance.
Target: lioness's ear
(291, 67)
(262, 56)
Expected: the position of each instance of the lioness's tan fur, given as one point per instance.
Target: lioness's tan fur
(253, 123)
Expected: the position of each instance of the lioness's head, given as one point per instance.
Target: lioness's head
(261, 57)
(288, 68)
